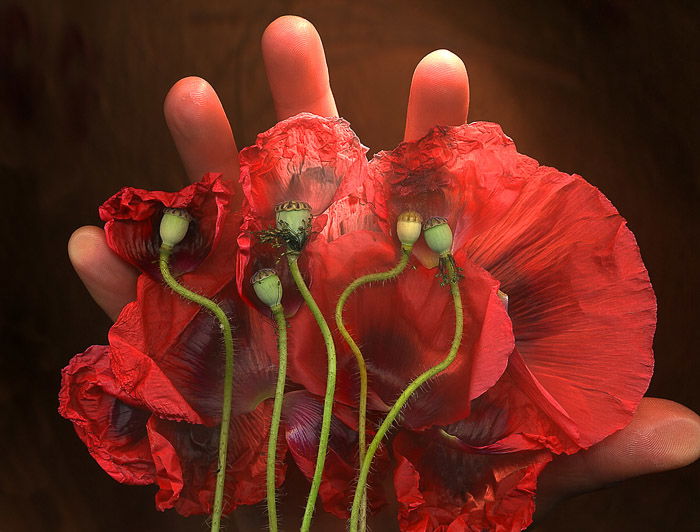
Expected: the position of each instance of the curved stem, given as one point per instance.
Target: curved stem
(278, 313)
(410, 389)
(330, 390)
(220, 315)
(362, 409)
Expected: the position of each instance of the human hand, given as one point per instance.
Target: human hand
(662, 436)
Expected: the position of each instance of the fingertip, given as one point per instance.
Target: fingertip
(110, 281)
(664, 435)
(289, 32)
(191, 107)
(82, 246)
(439, 94)
(201, 131)
(296, 68)
(443, 66)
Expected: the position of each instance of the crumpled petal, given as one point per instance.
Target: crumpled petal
(167, 353)
(113, 430)
(186, 458)
(133, 216)
(304, 158)
(441, 487)
(302, 416)
(582, 307)
(403, 327)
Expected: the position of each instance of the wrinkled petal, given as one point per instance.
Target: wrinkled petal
(168, 354)
(113, 430)
(403, 327)
(133, 216)
(302, 417)
(304, 158)
(186, 458)
(516, 414)
(582, 307)
(441, 487)
(347, 215)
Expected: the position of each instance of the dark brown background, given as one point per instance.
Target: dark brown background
(605, 89)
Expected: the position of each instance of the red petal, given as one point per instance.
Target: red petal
(404, 327)
(302, 416)
(582, 307)
(304, 158)
(186, 458)
(113, 430)
(167, 353)
(443, 488)
(133, 216)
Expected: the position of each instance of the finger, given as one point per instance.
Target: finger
(663, 435)
(439, 94)
(200, 129)
(296, 68)
(110, 281)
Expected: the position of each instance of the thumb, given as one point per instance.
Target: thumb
(663, 435)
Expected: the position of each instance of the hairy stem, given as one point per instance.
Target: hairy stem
(362, 409)
(278, 313)
(406, 394)
(330, 390)
(220, 315)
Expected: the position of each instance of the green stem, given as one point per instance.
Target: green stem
(362, 413)
(278, 313)
(220, 315)
(406, 394)
(330, 390)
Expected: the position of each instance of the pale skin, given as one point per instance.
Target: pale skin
(662, 436)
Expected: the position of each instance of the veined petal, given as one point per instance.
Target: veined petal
(167, 354)
(348, 214)
(186, 458)
(582, 307)
(113, 430)
(304, 158)
(441, 487)
(302, 417)
(403, 327)
(133, 216)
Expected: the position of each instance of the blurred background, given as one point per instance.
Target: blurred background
(605, 89)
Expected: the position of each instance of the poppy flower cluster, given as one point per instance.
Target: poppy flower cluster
(556, 351)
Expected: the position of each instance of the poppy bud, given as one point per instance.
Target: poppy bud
(173, 226)
(294, 215)
(408, 227)
(438, 234)
(267, 286)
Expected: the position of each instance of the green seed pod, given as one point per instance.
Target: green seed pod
(173, 226)
(438, 234)
(408, 227)
(267, 286)
(294, 215)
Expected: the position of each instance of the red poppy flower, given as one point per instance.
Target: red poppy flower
(148, 405)
(557, 368)
(580, 303)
